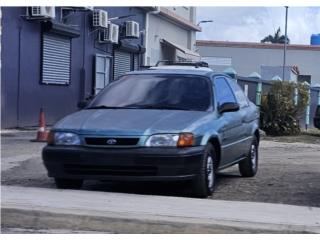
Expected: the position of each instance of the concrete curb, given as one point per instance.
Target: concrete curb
(129, 213)
(117, 223)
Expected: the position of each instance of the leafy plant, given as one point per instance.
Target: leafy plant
(276, 38)
(279, 115)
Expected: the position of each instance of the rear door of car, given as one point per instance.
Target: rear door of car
(232, 131)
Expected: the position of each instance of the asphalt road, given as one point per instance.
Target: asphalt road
(288, 173)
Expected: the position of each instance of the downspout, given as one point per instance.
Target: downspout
(19, 74)
(83, 70)
(0, 67)
(145, 40)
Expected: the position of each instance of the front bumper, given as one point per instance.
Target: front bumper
(123, 164)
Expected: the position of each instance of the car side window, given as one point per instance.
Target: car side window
(223, 91)
(239, 94)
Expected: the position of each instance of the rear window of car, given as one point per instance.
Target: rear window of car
(157, 91)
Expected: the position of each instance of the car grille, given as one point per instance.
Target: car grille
(111, 170)
(105, 141)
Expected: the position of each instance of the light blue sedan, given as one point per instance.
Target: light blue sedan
(169, 123)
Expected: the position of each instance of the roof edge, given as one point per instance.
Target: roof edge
(256, 45)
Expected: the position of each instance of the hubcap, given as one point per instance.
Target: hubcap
(210, 173)
(253, 156)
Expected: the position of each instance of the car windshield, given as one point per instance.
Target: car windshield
(156, 91)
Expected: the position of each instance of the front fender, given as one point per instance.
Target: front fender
(209, 135)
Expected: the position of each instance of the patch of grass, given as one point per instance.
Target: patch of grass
(311, 132)
(310, 136)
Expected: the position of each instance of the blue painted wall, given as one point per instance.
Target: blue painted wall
(22, 94)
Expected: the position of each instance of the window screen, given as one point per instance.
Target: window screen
(56, 59)
(102, 75)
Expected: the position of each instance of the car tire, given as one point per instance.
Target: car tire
(62, 183)
(249, 166)
(204, 184)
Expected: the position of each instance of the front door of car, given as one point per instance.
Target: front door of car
(232, 131)
(248, 116)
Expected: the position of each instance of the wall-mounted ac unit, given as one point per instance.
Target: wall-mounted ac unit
(110, 34)
(42, 12)
(132, 29)
(100, 18)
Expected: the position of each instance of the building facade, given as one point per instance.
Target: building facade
(170, 34)
(262, 58)
(54, 63)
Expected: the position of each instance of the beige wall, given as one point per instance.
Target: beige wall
(161, 28)
(185, 12)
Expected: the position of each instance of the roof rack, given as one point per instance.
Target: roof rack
(182, 63)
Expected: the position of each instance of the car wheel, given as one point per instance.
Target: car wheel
(204, 184)
(68, 183)
(249, 166)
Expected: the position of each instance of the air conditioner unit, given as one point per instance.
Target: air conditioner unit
(42, 12)
(110, 34)
(132, 29)
(100, 18)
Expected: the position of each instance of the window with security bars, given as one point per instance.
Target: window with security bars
(56, 59)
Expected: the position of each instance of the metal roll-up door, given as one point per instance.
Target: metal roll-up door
(56, 58)
(136, 62)
(122, 63)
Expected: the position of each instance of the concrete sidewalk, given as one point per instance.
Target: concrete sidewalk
(40, 208)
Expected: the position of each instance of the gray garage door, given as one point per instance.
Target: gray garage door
(122, 63)
(56, 58)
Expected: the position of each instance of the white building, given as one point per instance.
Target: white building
(170, 34)
(262, 58)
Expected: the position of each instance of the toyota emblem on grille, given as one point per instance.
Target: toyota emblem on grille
(111, 141)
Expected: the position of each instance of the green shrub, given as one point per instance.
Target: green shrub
(278, 113)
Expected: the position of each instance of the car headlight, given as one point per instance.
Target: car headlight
(170, 140)
(63, 138)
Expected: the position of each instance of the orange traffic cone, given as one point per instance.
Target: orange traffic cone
(42, 134)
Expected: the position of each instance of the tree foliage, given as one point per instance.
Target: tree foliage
(276, 38)
(278, 113)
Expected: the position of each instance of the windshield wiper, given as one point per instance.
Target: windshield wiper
(108, 107)
(169, 107)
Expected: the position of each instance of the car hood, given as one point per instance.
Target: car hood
(130, 122)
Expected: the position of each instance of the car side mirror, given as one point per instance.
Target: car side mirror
(82, 104)
(228, 107)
